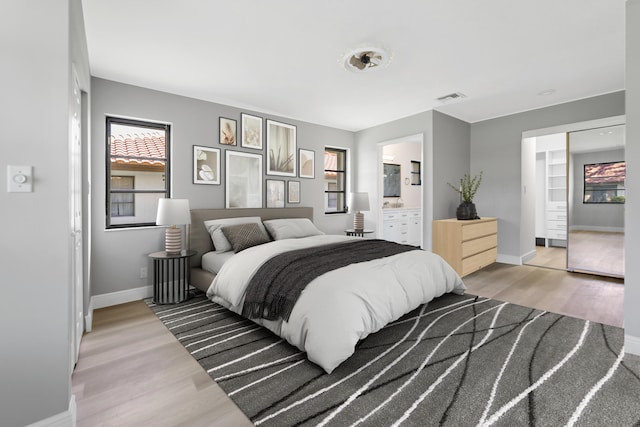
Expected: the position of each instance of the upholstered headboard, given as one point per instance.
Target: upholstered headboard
(200, 240)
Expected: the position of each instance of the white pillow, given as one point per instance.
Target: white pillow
(214, 227)
(291, 228)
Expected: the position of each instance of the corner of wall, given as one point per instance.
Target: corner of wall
(632, 345)
(63, 419)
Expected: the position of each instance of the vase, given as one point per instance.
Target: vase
(466, 211)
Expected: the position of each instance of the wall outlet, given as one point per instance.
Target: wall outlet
(143, 272)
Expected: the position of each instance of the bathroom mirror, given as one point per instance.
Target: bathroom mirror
(391, 180)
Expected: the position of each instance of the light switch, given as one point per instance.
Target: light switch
(19, 179)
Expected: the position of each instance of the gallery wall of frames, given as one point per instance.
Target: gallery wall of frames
(273, 148)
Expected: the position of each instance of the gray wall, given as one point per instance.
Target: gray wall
(445, 158)
(496, 150)
(632, 206)
(451, 154)
(118, 255)
(40, 41)
(595, 216)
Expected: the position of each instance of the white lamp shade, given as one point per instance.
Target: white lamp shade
(173, 212)
(359, 202)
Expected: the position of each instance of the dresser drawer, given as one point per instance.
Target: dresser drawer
(478, 229)
(476, 262)
(557, 215)
(557, 225)
(472, 247)
(556, 206)
(390, 216)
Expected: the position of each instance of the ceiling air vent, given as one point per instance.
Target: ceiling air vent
(456, 96)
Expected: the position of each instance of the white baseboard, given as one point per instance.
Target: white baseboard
(63, 419)
(509, 259)
(120, 297)
(88, 319)
(528, 257)
(632, 345)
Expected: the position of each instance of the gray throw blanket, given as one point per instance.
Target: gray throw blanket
(275, 287)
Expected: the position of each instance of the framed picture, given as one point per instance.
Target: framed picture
(275, 193)
(228, 129)
(307, 163)
(251, 131)
(243, 180)
(206, 165)
(281, 149)
(293, 192)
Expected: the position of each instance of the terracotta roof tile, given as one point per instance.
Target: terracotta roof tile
(149, 146)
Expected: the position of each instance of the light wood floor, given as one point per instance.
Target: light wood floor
(550, 257)
(578, 295)
(133, 372)
(589, 251)
(596, 251)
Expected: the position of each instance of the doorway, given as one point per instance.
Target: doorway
(400, 191)
(550, 201)
(550, 235)
(596, 196)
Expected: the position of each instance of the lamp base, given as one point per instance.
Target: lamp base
(173, 240)
(358, 221)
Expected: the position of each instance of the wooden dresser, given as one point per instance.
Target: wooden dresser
(466, 245)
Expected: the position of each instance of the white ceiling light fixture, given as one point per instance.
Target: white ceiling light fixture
(366, 59)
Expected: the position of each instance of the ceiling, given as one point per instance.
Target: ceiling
(600, 139)
(285, 57)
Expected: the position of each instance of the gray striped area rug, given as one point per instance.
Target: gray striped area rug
(457, 361)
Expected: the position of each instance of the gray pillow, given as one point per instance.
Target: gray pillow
(220, 242)
(291, 228)
(243, 236)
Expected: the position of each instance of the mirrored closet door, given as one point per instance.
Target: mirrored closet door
(596, 199)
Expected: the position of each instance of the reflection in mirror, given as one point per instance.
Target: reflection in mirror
(596, 196)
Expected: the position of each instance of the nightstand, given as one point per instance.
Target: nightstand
(171, 276)
(358, 233)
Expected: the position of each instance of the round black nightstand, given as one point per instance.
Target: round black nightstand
(171, 276)
(358, 233)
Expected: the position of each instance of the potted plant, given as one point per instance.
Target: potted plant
(468, 187)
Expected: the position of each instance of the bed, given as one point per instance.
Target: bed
(338, 307)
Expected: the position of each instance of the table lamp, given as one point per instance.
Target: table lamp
(359, 202)
(173, 212)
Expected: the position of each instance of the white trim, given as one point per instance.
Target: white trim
(63, 419)
(632, 344)
(572, 127)
(528, 257)
(88, 319)
(509, 259)
(120, 297)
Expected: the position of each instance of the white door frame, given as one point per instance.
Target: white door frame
(419, 138)
(75, 223)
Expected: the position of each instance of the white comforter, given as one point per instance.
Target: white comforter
(343, 306)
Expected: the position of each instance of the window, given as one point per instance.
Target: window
(137, 171)
(335, 173)
(604, 182)
(122, 204)
(416, 173)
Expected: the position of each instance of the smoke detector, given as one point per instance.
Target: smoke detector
(366, 59)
